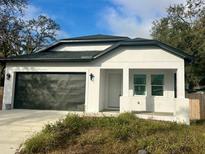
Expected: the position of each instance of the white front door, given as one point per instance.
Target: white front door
(114, 89)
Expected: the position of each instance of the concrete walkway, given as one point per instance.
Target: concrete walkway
(18, 125)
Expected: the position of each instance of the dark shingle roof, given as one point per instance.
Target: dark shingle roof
(70, 56)
(57, 56)
(98, 37)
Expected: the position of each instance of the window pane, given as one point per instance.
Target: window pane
(140, 79)
(139, 90)
(157, 90)
(157, 79)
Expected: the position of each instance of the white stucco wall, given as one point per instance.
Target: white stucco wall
(92, 87)
(125, 59)
(140, 54)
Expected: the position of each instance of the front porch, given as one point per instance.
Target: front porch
(150, 93)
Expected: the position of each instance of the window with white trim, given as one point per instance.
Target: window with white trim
(139, 84)
(157, 83)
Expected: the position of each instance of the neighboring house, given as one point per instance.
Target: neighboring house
(100, 73)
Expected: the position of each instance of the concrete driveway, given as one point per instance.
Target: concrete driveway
(18, 125)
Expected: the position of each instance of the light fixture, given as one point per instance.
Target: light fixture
(8, 76)
(91, 77)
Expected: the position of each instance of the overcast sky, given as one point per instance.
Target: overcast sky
(131, 18)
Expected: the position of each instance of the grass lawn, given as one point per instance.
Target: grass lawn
(124, 134)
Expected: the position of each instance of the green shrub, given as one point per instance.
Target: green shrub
(123, 132)
(126, 118)
(41, 142)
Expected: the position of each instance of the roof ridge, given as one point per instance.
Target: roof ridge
(96, 36)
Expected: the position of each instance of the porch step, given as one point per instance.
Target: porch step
(112, 109)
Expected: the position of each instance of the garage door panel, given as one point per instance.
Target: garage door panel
(50, 91)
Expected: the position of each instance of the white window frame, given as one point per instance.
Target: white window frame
(163, 85)
(145, 93)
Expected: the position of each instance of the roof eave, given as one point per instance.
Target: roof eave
(188, 58)
(45, 60)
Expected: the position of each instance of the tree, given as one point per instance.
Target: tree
(13, 5)
(19, 36)
(184, 28)
(37, 33)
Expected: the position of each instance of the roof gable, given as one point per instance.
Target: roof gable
(147, 43)
(136, 54)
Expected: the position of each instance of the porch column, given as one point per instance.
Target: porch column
(180, 83)
(182, 104)
(125, 81)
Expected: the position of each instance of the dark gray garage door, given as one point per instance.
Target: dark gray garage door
(55, 91)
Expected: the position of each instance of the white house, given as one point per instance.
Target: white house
(100, 73)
